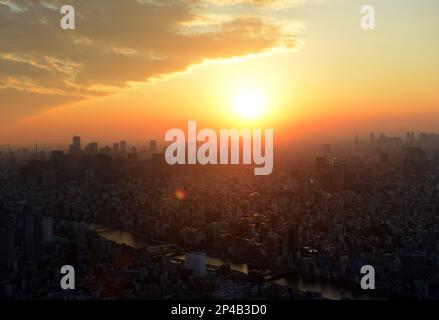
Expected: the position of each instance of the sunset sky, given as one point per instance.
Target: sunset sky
(133, 69)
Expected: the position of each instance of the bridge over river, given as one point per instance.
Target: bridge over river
(326, 289)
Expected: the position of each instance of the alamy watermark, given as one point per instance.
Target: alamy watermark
(67, 281)
(68, 20)
(368, 280)
(367, 21)
(368, 17)
(202, 147)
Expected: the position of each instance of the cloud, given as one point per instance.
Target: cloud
(276, 3)
(118, 42)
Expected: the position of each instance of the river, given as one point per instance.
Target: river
(327, 290)
(119, 236)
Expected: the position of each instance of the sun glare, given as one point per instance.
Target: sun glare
(249, 103)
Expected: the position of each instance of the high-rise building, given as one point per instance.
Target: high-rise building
(123, 146)
(196, 261)
(47, 229)
(33, 236)
(77, 141)
(304, 186)
(321, 164)
(116, 147)
(92, 148)
(153, 146)
(338, 177)
(29, 236)
(372, 138)
(38, 236)
(291, 241)
(75, 147)
(411, 138)
(7, 249)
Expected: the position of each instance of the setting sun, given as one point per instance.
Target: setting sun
(249, 103)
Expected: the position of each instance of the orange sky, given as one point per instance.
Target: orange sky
(135, 71)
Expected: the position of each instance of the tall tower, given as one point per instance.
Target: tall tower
(372, 138)
(93, 148)
(153, 146)
(123, 146)
(29, 232)
(75, 147)
(7, 248)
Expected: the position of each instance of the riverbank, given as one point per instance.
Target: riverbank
(326, 288)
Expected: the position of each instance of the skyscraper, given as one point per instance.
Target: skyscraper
(47, 225)
(123, 146)
(153, 146)
(75, 147)
(33, 237)
(196, 261)
(116, 148)
(92, 148)
(7, 248)
(291, 241)
(372, 138)
(28, 228)
(338, 177)
(321, 164)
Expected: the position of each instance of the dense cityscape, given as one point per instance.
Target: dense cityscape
(136, 228)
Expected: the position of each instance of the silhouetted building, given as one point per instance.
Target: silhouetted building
(153, 146)
(92, 148)
(75, 147)
(372, 138)
(33, 237)
(116, 148)
(7, 249)
(321, 164)
(196, 262)
(123, 147)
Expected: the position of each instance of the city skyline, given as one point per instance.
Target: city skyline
(134, 228)
(159, 145)
(242, 154)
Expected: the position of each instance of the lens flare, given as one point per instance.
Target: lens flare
(180, 194)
